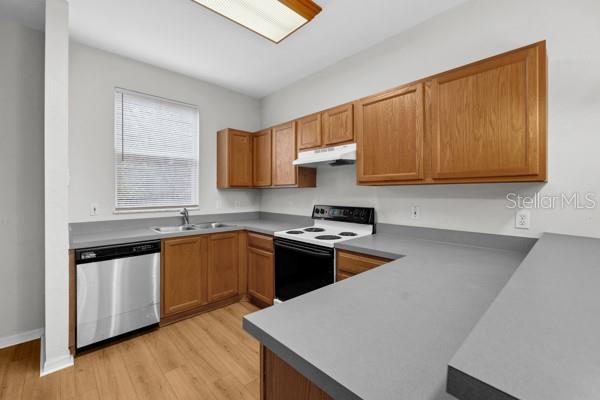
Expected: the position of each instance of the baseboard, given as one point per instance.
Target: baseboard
(19, 338)
(49, 366)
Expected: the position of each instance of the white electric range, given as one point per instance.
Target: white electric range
(305, 258)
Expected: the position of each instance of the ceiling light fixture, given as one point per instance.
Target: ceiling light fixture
(273, 19)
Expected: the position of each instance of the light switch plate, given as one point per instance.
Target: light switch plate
(415, 212)
(93, 209)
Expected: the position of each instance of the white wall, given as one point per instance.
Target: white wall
(21, 179)
(472, 31)
(93, 76)
(55, 354)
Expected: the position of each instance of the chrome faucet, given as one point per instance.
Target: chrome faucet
(186, 216)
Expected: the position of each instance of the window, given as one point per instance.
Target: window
(156, 152)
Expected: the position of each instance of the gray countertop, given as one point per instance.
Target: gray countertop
(540, 337)
(388, 333)
(139, 234)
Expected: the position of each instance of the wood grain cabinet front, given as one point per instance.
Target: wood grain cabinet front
(223, 266)
(488, 119)
(262, 159)
(390, 134)
(285, 173)
(280, 381)
(261, 268)
(183, 274)
(234, 159)
(338, 125)
(349, 264)
(309, 131)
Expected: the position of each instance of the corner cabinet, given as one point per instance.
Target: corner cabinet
(285, 173)
(390, 135)
(262, 159)
(488, 119)
(234, 159)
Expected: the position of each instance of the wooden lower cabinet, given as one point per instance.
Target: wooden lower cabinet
(183, 274)
(223, 266)
(349, 264)
(261, 269)
(279, 381)
(198, 273)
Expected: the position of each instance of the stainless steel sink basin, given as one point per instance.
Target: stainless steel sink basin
(212, 225)
(175, 229)
(187, 228)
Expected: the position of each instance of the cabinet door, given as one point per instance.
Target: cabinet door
(390, 136)
(488, 118)
(261, 276)
(223, 267)
(262, 158)
(183, 274)
(338, 125)
(309, 131)
(240, 159)
(284, 153)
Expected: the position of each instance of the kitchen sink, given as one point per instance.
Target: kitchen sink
(175, 229)
(187, 228)
(212, 225)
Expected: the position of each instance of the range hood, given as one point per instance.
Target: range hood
(339, 155)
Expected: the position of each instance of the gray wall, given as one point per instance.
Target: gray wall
(474, 30)
(21, 178)
(93, 76)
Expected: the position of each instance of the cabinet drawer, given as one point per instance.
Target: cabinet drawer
(259, 241)
(354, 263)
(341, 275)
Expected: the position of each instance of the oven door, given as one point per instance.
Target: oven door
(301, 268)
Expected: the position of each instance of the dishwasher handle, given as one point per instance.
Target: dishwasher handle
(96, 254)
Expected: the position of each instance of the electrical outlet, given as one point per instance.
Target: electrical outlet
(523, 219)
(93, 209)
(237, 204)
(415, 212)
(219, 204)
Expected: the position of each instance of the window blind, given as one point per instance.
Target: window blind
(156, 152)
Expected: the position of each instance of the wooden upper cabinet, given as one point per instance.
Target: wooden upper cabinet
(262, 175)
(284, 153)
(338, 125)
(183, 274)
(390, 134)
(309, 131)
(223, 266)
(488, 119)
(234, 159)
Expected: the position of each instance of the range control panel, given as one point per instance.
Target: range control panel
(357, 215)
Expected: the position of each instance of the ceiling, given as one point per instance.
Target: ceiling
(184, 37)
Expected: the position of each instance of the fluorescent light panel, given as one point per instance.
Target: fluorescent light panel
(269, 18)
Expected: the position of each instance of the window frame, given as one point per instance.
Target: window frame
(150, 209)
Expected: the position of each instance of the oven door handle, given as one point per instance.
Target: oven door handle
(309, 252)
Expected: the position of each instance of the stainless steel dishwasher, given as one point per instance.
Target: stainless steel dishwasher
(118, 290)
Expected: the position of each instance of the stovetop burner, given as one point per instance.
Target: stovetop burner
(314, 229)
(347, 233)
(328, 237)
(294, 232)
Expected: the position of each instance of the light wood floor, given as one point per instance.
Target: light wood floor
(205, 357)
